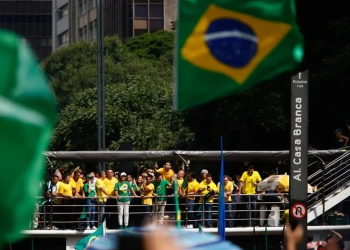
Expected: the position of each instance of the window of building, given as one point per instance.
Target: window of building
(140, 1)
(156, 10)
(63, 38)
(156, 1)
(82, 7)
(85, 31)
(63, 11)
(94, 34)
(156, 24)
(138, 32)
(15, 7)
(92, 4)
(141, 10)
(30, 7)
(80, 33)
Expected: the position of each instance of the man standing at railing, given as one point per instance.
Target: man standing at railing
(122, 190)
(111, 218)
(207, 188)
(160, 187)
(65, 190)
(77, 185)
(192, 189)
(101, 192)
(147, 190)
(168, 175)
(247, 186)
(228, 185)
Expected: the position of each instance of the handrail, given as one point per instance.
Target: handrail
(202, 219)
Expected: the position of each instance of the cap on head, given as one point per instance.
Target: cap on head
(204, 171)
(337, 131)
(123, 174)
(89, 176)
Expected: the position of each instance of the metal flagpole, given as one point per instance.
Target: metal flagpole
(101, 130)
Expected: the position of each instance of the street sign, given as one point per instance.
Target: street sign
(299, 211)
(299, 152)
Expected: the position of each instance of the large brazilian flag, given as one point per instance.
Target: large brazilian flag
(27, 118)
(227, 46)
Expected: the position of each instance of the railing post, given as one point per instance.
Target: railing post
(98, 213)
(44, 210)
(323, 194)
(250, 211)
(203, 214)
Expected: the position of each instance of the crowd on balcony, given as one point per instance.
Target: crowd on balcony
(123, 200)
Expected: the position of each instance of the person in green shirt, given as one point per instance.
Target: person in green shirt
(122, 190)
(90, 193)
(160, 187)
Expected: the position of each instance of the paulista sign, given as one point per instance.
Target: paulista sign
(299, 151)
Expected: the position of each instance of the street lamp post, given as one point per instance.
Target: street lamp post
(101, 130)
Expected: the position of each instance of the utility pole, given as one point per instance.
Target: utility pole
(101, 129)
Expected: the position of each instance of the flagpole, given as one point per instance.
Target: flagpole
(177, 206)
(221, 226)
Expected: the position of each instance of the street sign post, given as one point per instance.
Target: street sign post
(299, 152)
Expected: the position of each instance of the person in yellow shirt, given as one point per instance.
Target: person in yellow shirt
(102, 194)
(77, 185)
(228, 186)
(65, 191)
(147, 190)
(168, 175)
(207, 189)
(248, 182)
(111, 204)
(192, 189)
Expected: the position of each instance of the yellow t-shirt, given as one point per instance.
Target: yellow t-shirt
(212, 186)
(286, 216)
(248, 181)
(192, 187)
(110, 184)
(79, 185)
(65, 189)
(100, 184)
(228, 188)
(169, 176)
(148, 201)
(180, 182)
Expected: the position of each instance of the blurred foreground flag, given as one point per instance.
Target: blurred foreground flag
(227, 46)
(27, 116)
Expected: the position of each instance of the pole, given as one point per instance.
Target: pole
(101, 129)
(323, 195)
(299, 153)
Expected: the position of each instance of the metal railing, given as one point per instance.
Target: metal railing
(329, 178)
(244, 210)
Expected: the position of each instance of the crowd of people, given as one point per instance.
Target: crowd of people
(122, 199)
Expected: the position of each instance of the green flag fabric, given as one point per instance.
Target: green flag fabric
(227, 46)
(27, 117)
(88, 240)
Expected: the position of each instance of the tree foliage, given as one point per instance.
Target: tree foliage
(154, 45)
(138, 100)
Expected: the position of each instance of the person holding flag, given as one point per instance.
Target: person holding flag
(207, 188)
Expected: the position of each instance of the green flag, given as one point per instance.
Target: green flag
(227, 46)
(88, 240)
(27, 116)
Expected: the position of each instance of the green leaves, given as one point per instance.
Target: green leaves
(138, 100)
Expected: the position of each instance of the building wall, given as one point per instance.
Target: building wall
(125, 18)
(170, 13)
(30, 19)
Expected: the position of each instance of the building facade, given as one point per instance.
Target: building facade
(32, 20)
(77, 20)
